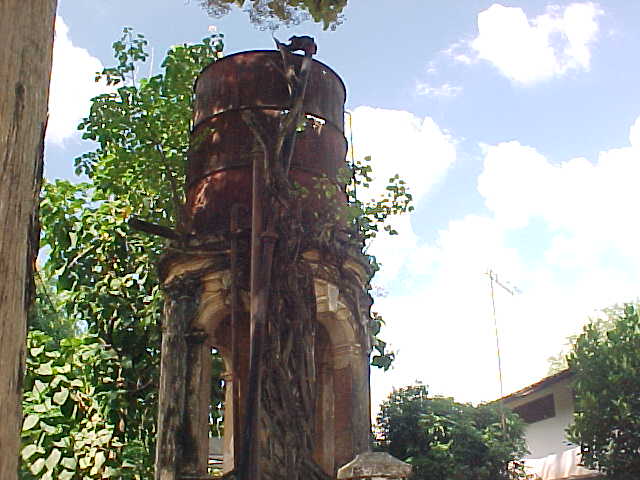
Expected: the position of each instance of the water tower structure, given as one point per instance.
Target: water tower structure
(297, 399)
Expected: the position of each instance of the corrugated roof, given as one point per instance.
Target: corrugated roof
(535, 387)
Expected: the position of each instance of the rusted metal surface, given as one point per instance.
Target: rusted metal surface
(255, 79)
(224, 148)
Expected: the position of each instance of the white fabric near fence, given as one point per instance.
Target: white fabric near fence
(561, 466)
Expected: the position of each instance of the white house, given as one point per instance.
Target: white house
(547, 408)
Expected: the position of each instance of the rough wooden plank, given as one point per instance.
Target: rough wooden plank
(26, 36)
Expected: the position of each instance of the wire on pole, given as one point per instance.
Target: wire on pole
(493, 279)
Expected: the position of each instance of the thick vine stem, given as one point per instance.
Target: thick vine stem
(297, 83)
(282, 367)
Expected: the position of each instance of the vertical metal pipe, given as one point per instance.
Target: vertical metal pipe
(235, 334)
(250, 468)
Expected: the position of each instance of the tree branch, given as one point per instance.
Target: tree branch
(153, 229)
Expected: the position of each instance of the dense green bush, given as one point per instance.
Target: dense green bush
(605, 361)
(447, 440)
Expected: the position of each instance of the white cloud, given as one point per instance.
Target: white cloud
(444, 90)
(587, 258)
(459, 51)
(634, 134)
(415, 148)
(72, 85)
(431, 68)
(528, 51)
(589, 203)
(399, 142)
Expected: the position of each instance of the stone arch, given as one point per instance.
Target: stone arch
(342, 424)
(214, 302)
(342, 414)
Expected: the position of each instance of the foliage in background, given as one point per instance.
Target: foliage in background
(560, 361)
(46, 313)
(104, 273)
(447, 440)
(605, 361)
(271, 13)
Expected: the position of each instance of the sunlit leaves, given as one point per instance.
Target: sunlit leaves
(143, 128)
(365, 220)
(65, 405)
(605, 361)
(371, 215)
(380, 357)
(271, 13)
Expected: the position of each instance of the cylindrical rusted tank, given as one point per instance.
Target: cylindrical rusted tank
(223, 147)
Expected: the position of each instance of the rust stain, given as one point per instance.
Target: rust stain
(222, 145)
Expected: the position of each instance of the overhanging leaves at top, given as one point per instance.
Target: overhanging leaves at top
(270, 13)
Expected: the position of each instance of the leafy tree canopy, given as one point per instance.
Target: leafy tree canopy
(447, 440)
(103, 274)
(605, 360)
(270, 13)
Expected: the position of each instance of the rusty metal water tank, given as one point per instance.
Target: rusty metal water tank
(223, 147)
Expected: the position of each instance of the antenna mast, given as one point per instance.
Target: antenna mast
(493, 278)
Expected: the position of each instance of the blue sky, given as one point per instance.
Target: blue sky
(515, 125)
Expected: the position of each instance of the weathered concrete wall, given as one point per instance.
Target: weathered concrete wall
(342, 420)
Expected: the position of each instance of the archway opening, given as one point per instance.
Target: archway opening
(215, 460)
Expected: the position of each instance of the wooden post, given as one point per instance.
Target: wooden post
(26, 36)
(181, 307)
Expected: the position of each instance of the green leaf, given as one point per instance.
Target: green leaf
(61, 396)
(84, 462)
(44, 369)
(28, 451)
(47, 428)
(53, 459)
(77, 383)
(36, 351)
(69, 462)
(66, 475)
(37, 466)
(29, 422)
(99, 460)
(39, 387)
